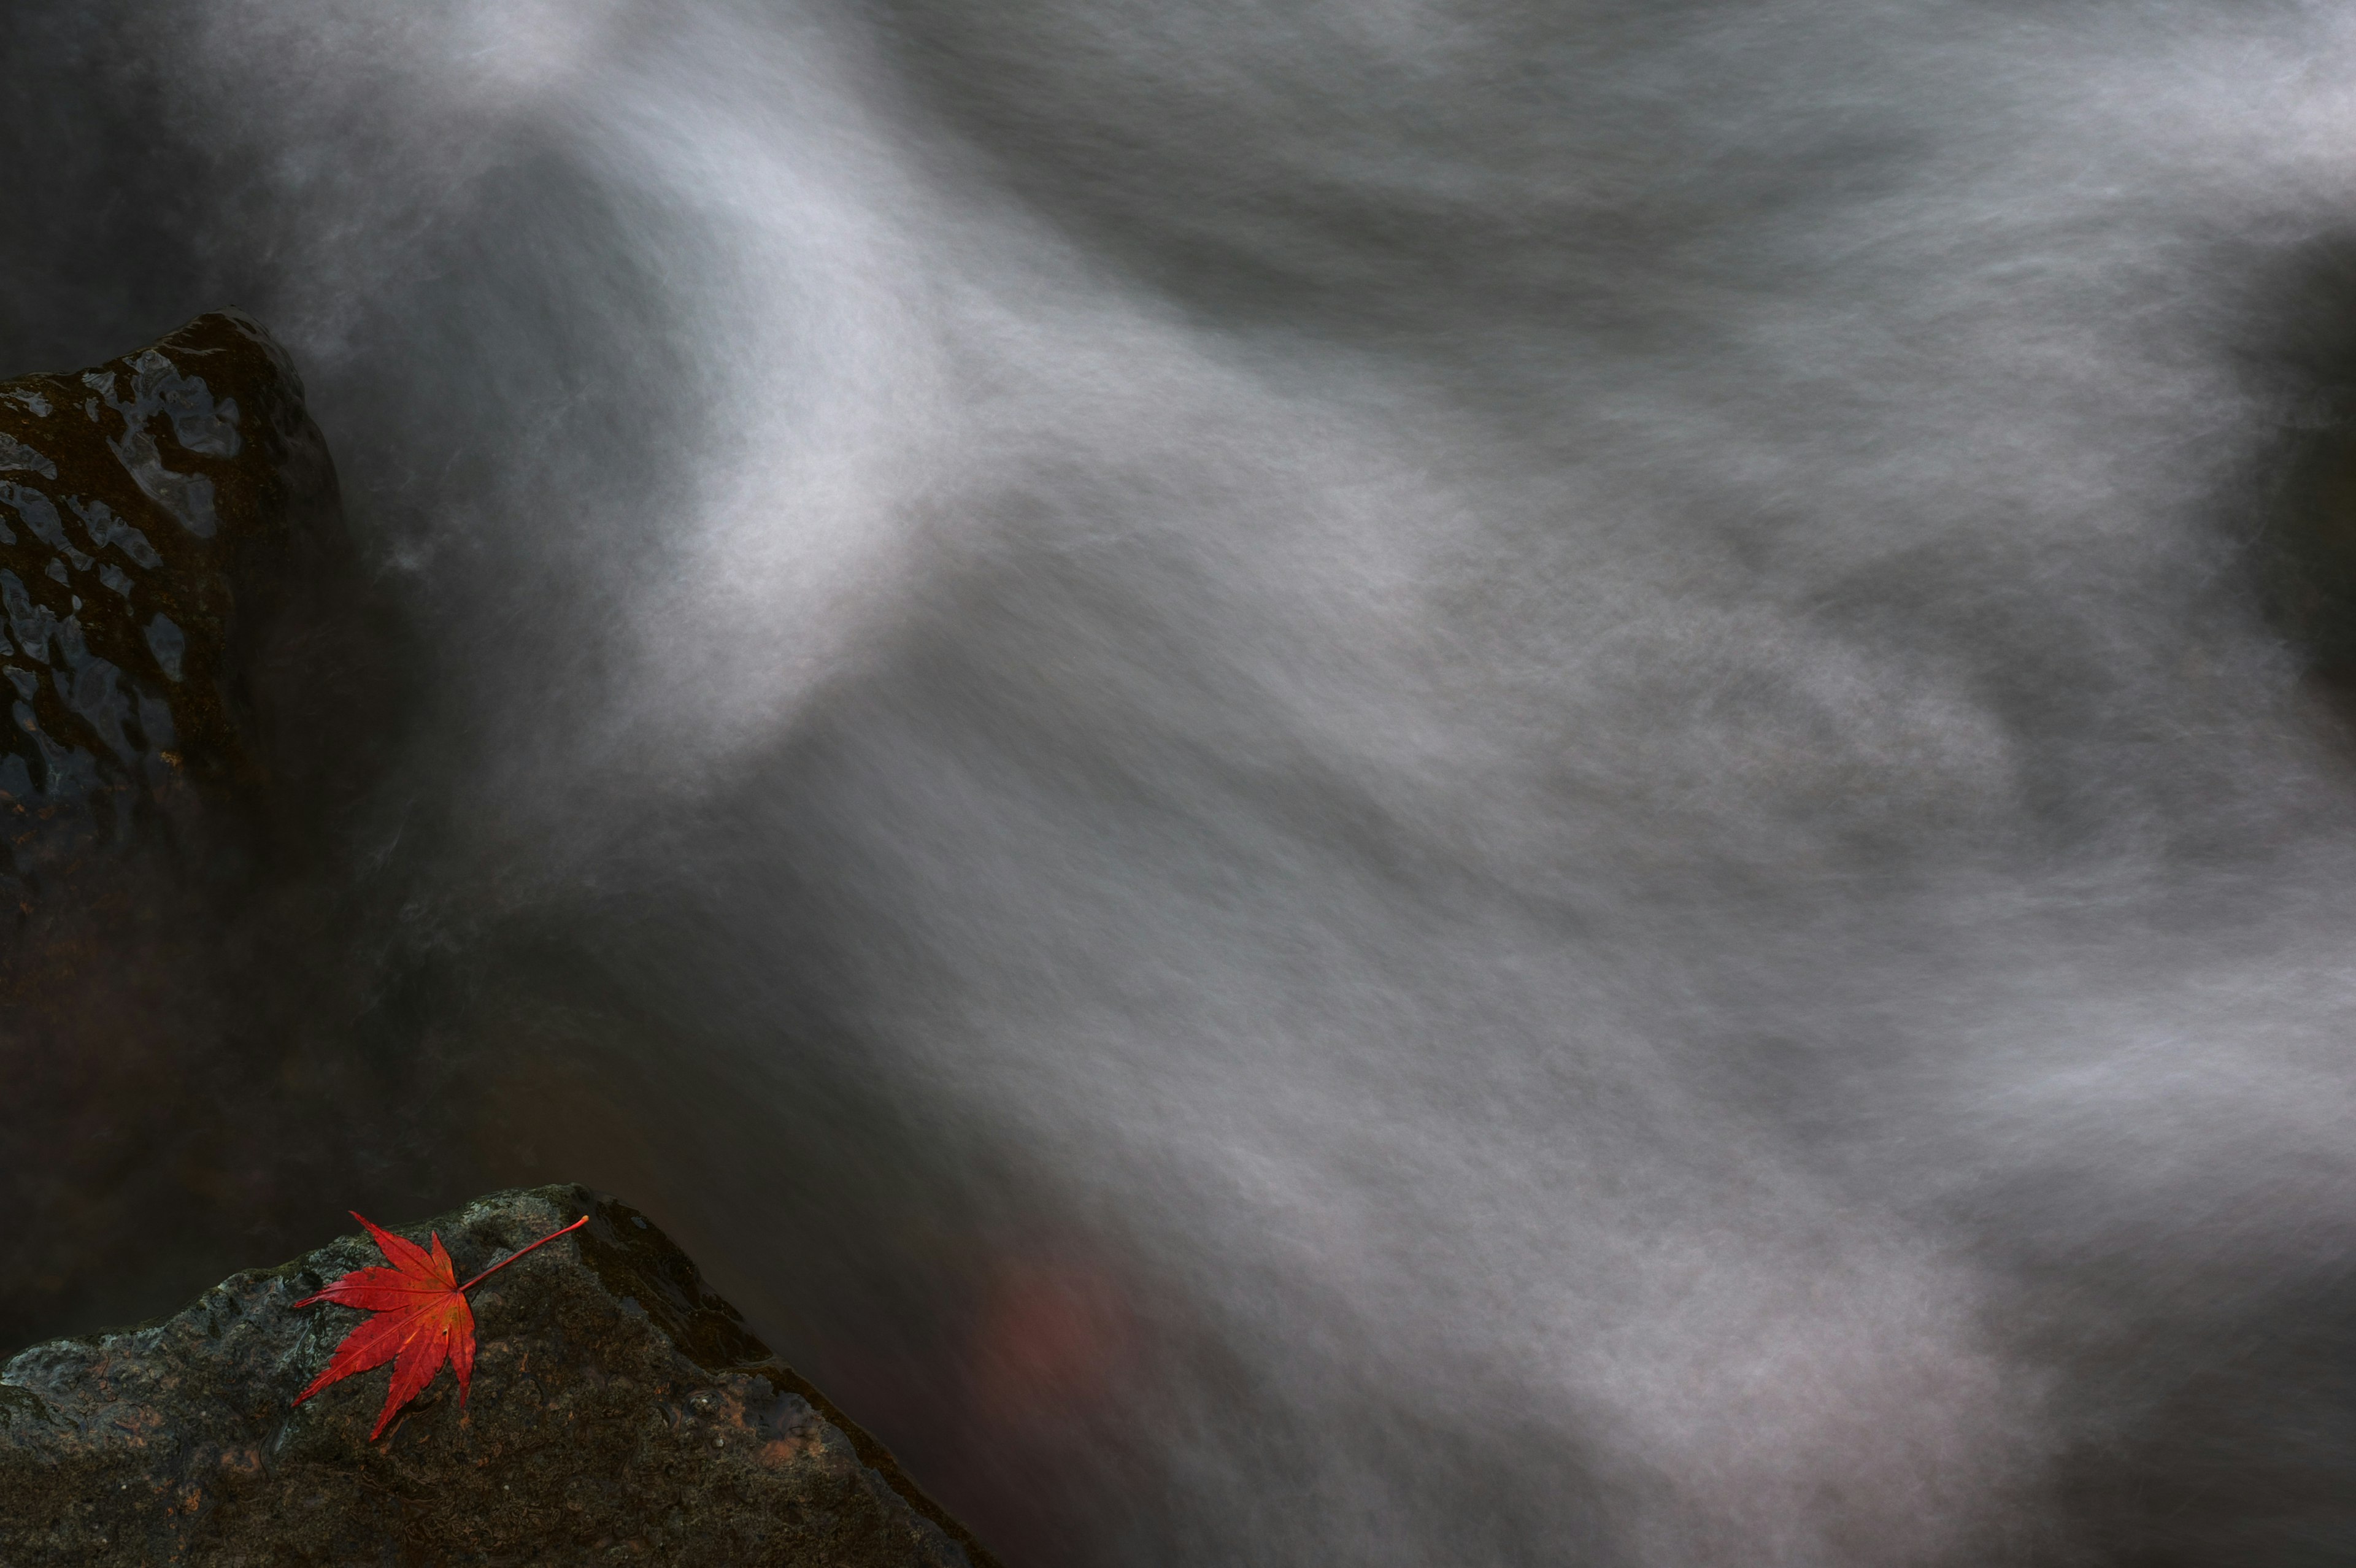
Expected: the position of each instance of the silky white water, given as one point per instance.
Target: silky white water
(1373, 782)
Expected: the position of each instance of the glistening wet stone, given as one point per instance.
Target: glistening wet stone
(153, 510)
(620, 1413)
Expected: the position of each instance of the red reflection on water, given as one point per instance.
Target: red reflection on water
(1051, 1341)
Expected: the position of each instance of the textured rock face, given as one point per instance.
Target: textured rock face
(141, 502)
(620, 1412)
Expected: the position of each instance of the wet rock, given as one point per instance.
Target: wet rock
(156, 512)
(620, 1412)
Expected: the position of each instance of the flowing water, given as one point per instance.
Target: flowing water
(1373, 782)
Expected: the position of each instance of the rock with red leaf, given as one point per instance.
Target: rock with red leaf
(620, 1412)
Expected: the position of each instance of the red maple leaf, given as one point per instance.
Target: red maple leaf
(422, 1317)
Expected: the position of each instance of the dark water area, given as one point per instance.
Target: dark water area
(1396, 783)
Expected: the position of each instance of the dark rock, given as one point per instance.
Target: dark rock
(154, 512)
(199, 689)
(620, 1412)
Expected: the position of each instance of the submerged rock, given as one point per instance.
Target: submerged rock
(620, 1412)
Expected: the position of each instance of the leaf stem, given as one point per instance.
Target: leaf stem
(519, 1252)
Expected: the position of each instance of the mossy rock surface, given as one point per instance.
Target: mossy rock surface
(619, 1412)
